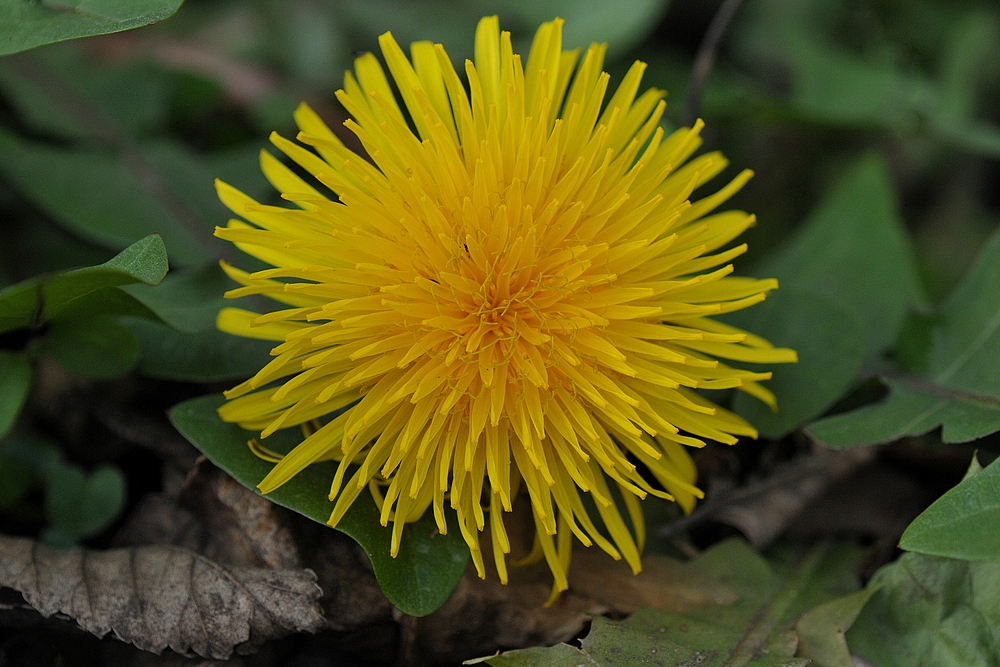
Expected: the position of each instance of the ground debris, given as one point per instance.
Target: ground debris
(159, 597)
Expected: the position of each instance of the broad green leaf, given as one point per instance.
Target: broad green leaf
(961, 523)
(854, 249)
(756, 631)
(191, 348)
(827, 82)
(829, 340)
(961, 390)
(59, 92)
(79, 505)
(187, 300)
(91, 290)
(822, 630)
(621, 24)
(417, 581)
(828, 79)
(15, 382)
(203, 356)
(52, 249)
(95, 347)
(931, 612)
(107, 198)
(25, 25)
(969, 61)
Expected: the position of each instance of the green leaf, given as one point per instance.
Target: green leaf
(969, 61)
(91, 290)
(62, 93)
(931, 611)
(909, 411)
(417, 581)
(830, 342)
(191, 348)
(203, 356)
(825, 81)
(961, 390)
(107, 198)
(848, 279)
(960, 524)
(25, 25)
(854, 249)
(822, 630)
(15, 382)
(187, 300)
(96, 347)
(23, 464)
(80, 505)
(755, 631)
(622, 25)
(16, 479)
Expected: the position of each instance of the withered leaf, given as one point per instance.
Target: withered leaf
(664, 584)
(158, 597)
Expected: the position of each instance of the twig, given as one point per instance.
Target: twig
(818, 465)
(705, 58)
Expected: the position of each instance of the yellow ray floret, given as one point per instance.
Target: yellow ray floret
(516, 295)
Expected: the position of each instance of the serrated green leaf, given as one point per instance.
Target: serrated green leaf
(756, 631)
(417, 581)
(822, 630)
(15, 382)
(203, 356)
(91, 290)
(910, 411)
(961, 390)
(855, 250)
(25, 25)
(79, 505)
(960, 523)
(930, 611)
(95, 347)
(830, 343)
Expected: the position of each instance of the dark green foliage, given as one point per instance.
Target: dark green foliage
(873, 130)
(24, 25)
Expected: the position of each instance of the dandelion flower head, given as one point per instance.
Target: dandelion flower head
(511, 289)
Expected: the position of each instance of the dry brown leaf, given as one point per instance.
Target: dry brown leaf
(483, 616)
(765, 516)
(664, 583)
(240, 527)
(158, 597)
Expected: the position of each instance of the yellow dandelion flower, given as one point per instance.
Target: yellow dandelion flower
(511, 287)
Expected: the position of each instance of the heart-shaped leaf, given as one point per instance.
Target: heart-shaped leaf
(80, 505)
